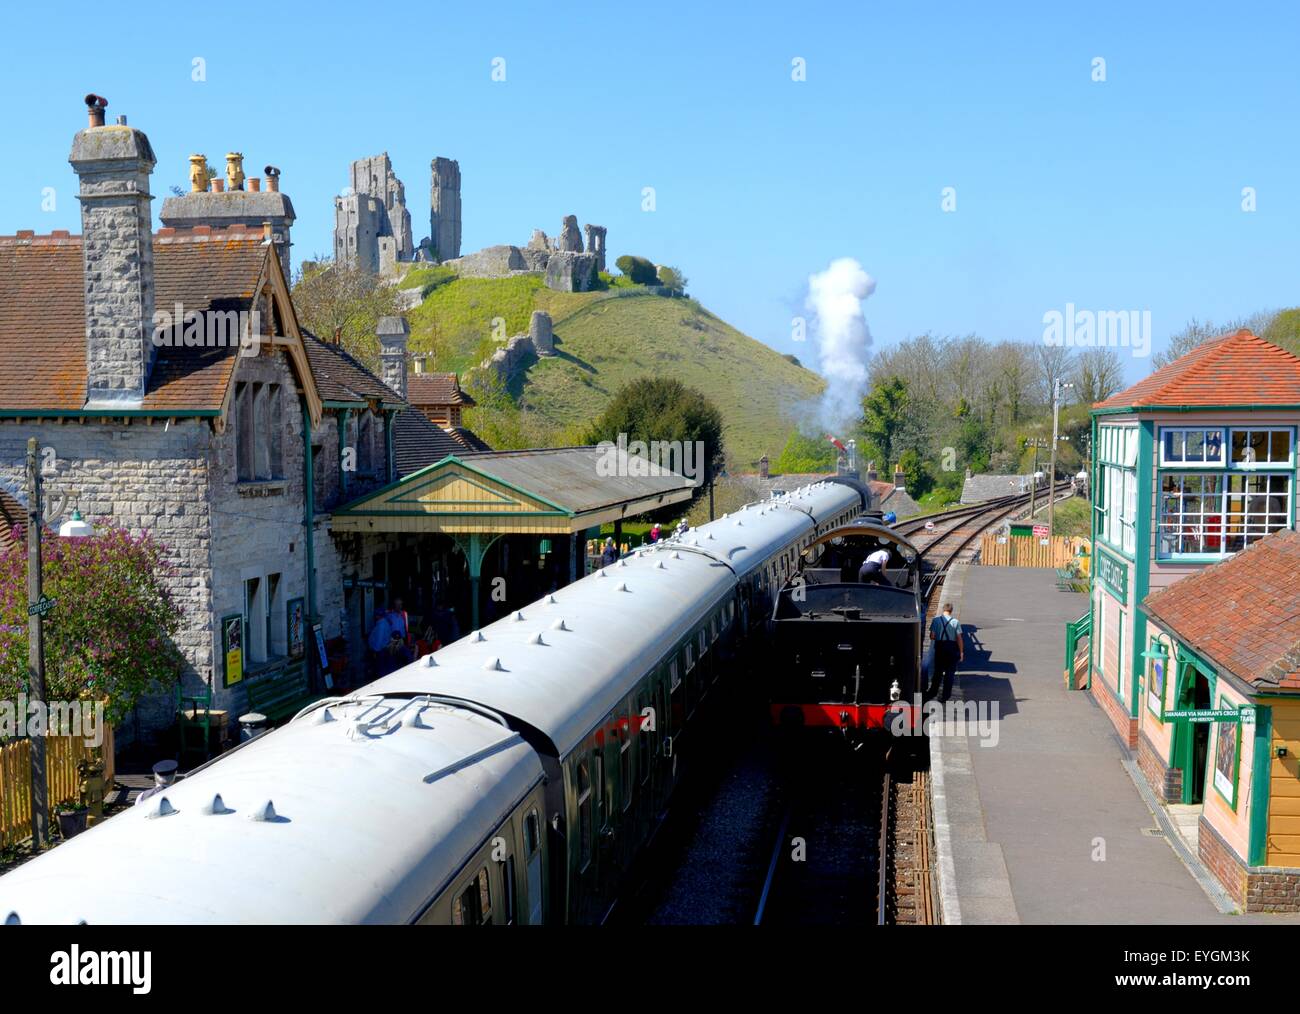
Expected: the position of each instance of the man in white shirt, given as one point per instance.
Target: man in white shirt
(873, 568)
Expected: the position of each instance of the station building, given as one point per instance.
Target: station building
(1192, 466)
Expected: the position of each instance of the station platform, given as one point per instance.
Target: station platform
(1039, 815)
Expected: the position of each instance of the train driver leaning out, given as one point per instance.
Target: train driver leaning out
(873, 568)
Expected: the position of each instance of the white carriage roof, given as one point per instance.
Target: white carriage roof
(357, 855)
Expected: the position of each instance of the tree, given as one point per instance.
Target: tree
(666, 410)
(1284, 330)
(672, 279)
(1098, 374)
(804, 453)
(110, 636)
(331, 296)
(638, 269)
(882, 414)
(1196, 333)
(1053, 363)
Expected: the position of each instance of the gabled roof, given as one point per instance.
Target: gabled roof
(43, 323)
(341, 378)
(1235, 369)
(1242, 614)
(987, 486)
(466, 438)
(436, 389)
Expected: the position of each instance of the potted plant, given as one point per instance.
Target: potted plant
(72, 817)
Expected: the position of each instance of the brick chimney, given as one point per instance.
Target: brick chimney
(764, 467)
(393, 334)
(900, 479)
(114, 164)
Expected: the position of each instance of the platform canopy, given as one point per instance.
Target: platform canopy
(553, 491)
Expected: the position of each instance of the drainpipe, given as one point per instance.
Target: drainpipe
(309, 511)
(343, 443)
(388, 445)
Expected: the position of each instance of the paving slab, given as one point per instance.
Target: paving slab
(1040, 820)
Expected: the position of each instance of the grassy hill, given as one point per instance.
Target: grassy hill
(606, 339)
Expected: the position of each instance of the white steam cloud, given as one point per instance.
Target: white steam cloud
(835, 296)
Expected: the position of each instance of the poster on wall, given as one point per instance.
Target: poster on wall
(232, 647)
(297, 628)
(1156, 689)
(319, 635)
(1226, 738)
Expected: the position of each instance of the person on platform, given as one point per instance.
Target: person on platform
(388, 639)
(949, 650)
(610, 553)
(655, 533)
(873, 568)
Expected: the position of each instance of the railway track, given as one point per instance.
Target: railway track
(830, 861)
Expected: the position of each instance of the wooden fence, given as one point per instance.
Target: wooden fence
(1027, 550)
(62, 753)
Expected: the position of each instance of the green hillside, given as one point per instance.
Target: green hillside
(608, 338)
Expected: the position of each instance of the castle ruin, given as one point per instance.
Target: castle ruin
(372, 227)
(444, 209)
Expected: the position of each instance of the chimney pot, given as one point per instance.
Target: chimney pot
(254, 184)
(121, 120)
(218, 185)
(95, 109)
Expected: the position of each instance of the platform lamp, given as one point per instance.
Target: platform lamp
(76, 527)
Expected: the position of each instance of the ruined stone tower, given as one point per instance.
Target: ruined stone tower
(114, 164)
(372, 226)
(444, 208)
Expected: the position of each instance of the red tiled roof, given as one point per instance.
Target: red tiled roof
(1235, 369)
(426, 389)
(42, 316)
(1242, 614)
(13, 516)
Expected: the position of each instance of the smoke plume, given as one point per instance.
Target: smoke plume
(843, 339)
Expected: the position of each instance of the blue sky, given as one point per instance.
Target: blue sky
(1114, 195)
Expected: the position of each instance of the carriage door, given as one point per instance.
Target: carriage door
(533, 865)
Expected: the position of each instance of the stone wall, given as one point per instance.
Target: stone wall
(1253, 888)
(147, 479)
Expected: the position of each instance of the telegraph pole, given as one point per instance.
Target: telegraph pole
(1057, 387)
(36, 643)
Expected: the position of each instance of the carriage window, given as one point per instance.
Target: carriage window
(601, 812)
(673, 679)
(510, 890)
(643, 740)
(625, 770)
(473, 906)
(584, 816)
(703, 643)
(690, 658)
(532, 833)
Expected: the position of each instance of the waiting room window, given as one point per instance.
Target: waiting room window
(256, 622)
(1258, 447)
(259, 419)
(1179, 446)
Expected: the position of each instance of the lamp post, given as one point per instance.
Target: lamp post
(36, 644)
(1057, 387)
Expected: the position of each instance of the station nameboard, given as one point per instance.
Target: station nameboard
(1113, 574)
(1245, 716)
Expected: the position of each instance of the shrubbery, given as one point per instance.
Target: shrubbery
(638, 269)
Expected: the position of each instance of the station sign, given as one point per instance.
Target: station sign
(42, 607)
(1113, 573)
(1243, 716)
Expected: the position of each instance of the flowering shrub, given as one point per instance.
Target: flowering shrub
(109, 637)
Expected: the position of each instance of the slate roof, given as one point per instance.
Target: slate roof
(1235, 369)
(43, 325)
(340, 377)
(987, 486)
(436, 389)
(1243, 614)
(418, 443)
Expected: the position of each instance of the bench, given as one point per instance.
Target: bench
(1064, 579)
(281, 693)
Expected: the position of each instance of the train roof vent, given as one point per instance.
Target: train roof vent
(622, 586)
(537, 639)
(493, 665)
(739, 523)
(323, 716)
(163, 809)
(660, 566)
(519, 615)
(477, 637)
(12, 919)
(215, 806)
(550, 600)
(560, 625)
(623, 562)
(676, 555)
(601, 573)
(265, 814)
(428, 661)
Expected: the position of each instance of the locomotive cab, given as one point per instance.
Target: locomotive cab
(845, 653)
